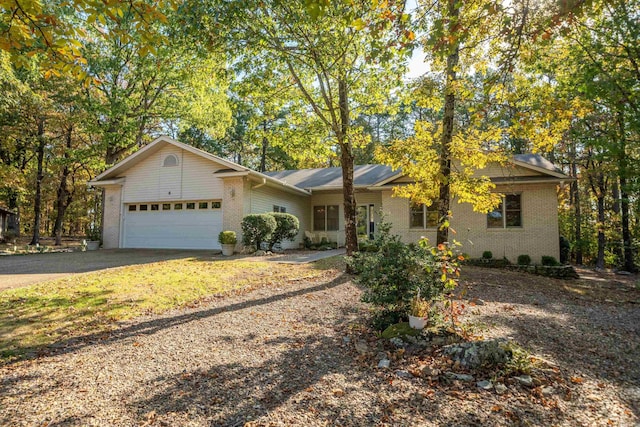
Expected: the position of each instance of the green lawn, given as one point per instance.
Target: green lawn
(42, 314)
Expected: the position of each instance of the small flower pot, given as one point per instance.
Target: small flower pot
(227, 249)
(93, 245)
(418, 322)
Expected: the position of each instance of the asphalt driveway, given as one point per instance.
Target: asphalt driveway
(22, 270)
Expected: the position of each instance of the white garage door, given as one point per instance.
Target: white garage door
(177, 225)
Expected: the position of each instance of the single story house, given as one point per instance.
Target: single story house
(172, 195)
(8, 222)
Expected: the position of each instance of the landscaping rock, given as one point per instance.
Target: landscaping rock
(403, 374)
(473, 355)
(485, 385)
(384, 363)
(548, 391)
(525, 380)
(459, 377)
(501, 388)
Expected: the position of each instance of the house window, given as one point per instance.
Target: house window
(143, 207)
(177, 207)
(508, 214)
(280, 209)
(155, 207)
(203, 205)
(132, 208)
(216, 205)
(191, 205)
(170, 160)
(166, 206)
(326, 218)
(422, 216)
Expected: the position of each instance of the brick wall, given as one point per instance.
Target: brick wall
(538, 235)
(112, 217)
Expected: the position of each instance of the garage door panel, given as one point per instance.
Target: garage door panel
(183, 229)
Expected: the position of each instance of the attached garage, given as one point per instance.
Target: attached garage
(173, 225)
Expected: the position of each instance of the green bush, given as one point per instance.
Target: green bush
(227, 238)
(524, 260)
(94, 233)
(549, 261)
(287, 228)
(396, 272)
(487, 255)
(257, 228)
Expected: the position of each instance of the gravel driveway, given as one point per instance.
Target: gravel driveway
(22, 270)
(284, 355)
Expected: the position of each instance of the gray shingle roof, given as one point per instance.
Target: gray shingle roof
(538, 161)
(364, 175)
(369, 175)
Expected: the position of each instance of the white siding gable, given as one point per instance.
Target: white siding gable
(192, 179)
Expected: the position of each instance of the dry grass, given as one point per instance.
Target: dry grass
(43, 314)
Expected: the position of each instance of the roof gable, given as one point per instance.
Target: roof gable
(155, 146)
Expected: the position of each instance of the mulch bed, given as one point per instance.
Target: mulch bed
(286, 355)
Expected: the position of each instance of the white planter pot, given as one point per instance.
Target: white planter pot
(418, 322)
(227, 249)
(93, 245)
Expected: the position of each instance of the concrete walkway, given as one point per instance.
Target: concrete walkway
(300, 257)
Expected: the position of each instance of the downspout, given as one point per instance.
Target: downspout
(263, 183)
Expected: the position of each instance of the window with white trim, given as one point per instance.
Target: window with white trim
(280, 209)
(422, 216)
(508, 214)
(170, 160)
(326, 218)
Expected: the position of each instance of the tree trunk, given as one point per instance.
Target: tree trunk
(575, 190)
(37, 204)
(265, 144)
(601, 241)
(447, 133)
(64, 196)
(623, 170)
(615, 194)
(346, 158)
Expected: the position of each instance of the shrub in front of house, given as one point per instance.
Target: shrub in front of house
(549, 261)
(487, 255)
(257, 228)
(394, 273)
(227, 238)
(524, 260)
(287, 228)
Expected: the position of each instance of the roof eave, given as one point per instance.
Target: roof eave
(538, 169)
(106, 182)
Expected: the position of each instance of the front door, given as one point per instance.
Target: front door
(365, 224)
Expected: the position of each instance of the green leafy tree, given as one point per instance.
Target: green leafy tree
(341, 59)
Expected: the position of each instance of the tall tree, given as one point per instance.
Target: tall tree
(339, 57)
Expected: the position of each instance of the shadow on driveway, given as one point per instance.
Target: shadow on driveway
(22, 270)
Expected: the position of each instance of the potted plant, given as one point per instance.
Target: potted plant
(228, 241)
(419, 314)
(92, 242)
